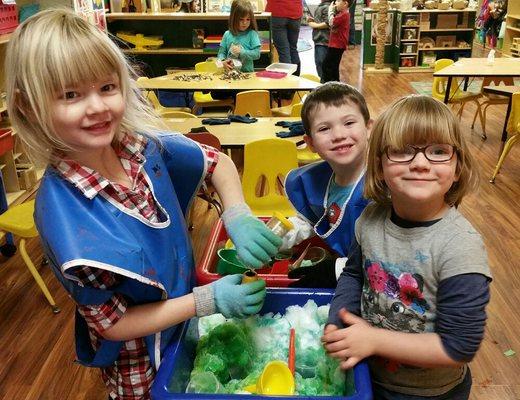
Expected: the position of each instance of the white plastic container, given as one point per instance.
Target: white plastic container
(289, 69)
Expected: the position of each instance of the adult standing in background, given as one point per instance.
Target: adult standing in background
(285, 24)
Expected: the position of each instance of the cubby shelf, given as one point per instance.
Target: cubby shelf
(445, 30)
(176, 30)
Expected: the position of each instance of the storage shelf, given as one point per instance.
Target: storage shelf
(513, 16)
(178, 50)
(449, 30)
(407, 54)
(177, 16)
(445, 48)
(409, 40)
(451, 10)
(513, 29)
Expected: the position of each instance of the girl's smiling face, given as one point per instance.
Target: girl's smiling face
(87, 116)
(419, 183)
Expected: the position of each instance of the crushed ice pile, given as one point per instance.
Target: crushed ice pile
(231, 354)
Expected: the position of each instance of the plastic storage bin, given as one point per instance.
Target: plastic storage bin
(177, 362)
(275, 276)
(8, 18)
(289, 69)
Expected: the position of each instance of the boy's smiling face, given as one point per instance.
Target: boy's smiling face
(339, 135)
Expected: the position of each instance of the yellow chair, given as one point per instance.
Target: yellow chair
(154, 100)
(256, 103)
(19, 221)
(457, 96)
(490, 98)
(513, 128)
(266, 162)
(205, 100)
(177, 114)
(287, 111)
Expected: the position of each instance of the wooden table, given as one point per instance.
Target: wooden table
(506, 91)
(478, 67)
(236, 134)
(214, 82)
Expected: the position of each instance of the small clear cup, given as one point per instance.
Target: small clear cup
(279, 225)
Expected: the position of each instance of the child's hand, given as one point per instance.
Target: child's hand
(351, 344)
(310, 19)
(235, 49)
(228, 64)
(236, 300)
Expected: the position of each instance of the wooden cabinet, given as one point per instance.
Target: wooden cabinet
(422, 36)
(512, 35)
(19, 177)
(176, 30)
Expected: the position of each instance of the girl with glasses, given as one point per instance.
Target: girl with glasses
(412, 296)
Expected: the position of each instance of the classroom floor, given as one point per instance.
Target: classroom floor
(37, 349)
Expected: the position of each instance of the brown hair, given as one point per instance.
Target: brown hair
(418, 119)
(332, 94)
(241, 9)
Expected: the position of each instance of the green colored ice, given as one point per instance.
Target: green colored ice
(234, 352)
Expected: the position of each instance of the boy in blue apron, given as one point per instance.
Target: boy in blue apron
(328, 194)
(111, 206)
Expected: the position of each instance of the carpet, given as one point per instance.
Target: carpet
(425, 87)
(303, 45)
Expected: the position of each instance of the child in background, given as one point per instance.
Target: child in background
(320, 34)
(111, 206)
(241, 41)
(328, 195)
(339, 21)
(418, 273)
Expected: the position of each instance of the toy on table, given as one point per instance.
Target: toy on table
(140, 41)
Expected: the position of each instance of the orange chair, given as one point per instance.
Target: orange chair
(256, 103)
(287, 111)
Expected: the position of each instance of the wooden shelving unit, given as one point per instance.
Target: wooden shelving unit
(446, 29)
(176, 30)
(511, 47)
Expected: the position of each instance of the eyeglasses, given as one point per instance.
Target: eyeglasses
(435, 153)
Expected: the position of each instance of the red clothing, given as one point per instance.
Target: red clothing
(131, 376)
(339, 30)
(292, 9)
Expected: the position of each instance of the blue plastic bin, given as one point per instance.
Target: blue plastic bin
(178, 360)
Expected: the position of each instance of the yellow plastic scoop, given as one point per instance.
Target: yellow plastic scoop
(276, 379)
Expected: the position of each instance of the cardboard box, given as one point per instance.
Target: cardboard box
(446, 21)
(446, 41)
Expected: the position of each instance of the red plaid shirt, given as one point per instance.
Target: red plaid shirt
(132, 375)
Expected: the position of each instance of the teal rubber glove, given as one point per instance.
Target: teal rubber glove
(255, 243)
(236, 300)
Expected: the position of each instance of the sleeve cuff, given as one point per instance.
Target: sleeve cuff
(204, 300)
(340, 265)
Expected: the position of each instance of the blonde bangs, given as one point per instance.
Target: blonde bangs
(420, 120)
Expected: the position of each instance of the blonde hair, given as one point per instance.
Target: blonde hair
(54, 50)
(241, 9)
(418, 120)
